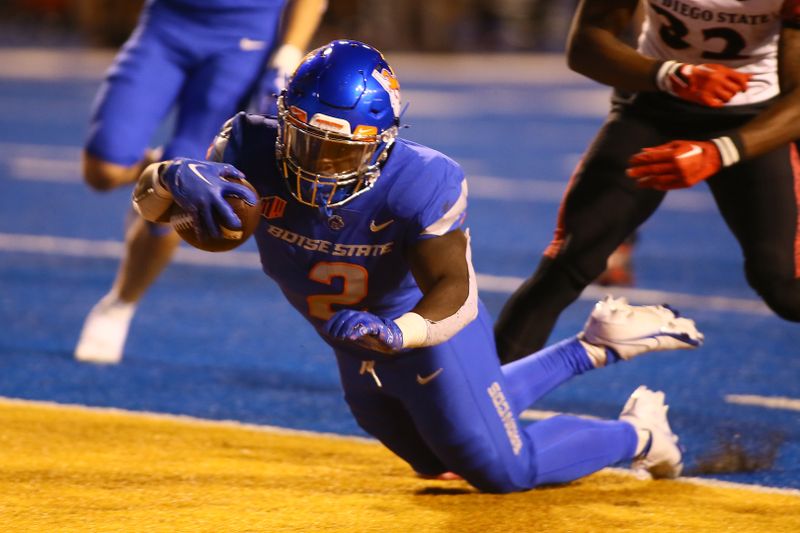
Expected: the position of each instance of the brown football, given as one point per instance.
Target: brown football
(229, 238)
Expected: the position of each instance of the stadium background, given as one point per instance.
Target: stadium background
(487, 85)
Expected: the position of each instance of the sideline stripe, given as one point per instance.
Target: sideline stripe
(44, 244)
(195, 421)
(771, 402)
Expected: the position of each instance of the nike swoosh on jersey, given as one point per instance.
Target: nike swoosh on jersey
(249, 45)
(427, 379)
(193, 168)
(377, 227)
(696, 150)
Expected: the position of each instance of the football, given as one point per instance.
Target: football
(229, 238)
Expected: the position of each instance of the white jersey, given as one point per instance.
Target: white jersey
(741, 34)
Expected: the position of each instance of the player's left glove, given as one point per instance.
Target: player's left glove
(274, 79)
(681, 164)
(366, 330)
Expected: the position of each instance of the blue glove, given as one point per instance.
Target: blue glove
(366, 330)
(198, 188)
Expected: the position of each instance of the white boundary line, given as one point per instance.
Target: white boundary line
(232, 424)
(45, 244)
(770, 402)
(717, 483)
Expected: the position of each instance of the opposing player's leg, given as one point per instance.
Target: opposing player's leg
(601, 208)
(758, 199)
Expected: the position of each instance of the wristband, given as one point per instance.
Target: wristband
(663, 73)
(414, 329)
(730, 149)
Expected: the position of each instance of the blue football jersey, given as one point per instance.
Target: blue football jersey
(355, 258)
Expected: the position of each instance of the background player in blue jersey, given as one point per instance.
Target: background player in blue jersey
(711, 93)
(364, 234)
(200, 60)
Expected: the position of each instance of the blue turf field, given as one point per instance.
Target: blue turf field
(216, 340)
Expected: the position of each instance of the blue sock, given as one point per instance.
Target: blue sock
(531, 377)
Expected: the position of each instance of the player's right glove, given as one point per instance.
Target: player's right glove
(366, 330)
(708, 84)
(200, 187)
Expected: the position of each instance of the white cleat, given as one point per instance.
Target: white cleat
(632, 330)
(104, 331)
(645, 411)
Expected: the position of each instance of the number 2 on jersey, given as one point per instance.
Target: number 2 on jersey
(354, 278)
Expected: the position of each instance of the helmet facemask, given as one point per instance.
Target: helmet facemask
(326, 168)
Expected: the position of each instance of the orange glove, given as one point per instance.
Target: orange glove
(681, 164)
(707, 84)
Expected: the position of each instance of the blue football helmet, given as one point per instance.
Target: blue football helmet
(338, 117)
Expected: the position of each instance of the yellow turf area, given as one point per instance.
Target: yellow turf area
(75, 469)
